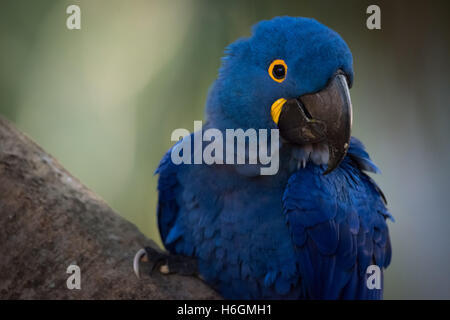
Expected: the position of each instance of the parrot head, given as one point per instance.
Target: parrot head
(292, 74)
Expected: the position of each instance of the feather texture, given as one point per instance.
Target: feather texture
(298, 235)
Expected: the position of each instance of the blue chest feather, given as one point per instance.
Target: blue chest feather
(298, 234)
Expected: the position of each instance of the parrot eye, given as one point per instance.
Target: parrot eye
(277, 70)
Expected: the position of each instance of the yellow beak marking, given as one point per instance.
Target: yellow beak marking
(275, 110)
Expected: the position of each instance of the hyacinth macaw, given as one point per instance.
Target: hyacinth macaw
(311, 230)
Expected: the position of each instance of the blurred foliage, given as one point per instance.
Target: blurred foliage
(105, 99)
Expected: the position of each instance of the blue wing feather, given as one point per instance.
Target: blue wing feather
(167, 210)
(338, 224)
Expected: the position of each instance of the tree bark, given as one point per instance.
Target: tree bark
(49, 220)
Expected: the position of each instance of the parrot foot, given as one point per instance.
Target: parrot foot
(164, 262)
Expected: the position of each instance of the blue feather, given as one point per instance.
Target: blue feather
(298, 234)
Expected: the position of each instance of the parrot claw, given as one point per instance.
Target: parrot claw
(166, 263)
(138, 257)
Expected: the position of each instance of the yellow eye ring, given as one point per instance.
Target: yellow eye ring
(278, 70)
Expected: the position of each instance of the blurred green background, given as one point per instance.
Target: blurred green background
(105, 99)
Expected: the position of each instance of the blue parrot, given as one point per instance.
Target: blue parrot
(311, 230)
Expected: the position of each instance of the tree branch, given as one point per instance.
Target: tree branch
(49, 220)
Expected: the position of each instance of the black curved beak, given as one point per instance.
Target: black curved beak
(319, 117)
